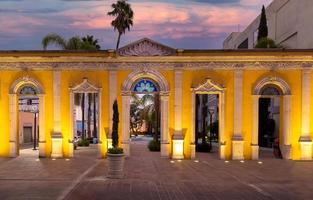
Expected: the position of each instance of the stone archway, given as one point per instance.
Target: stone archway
(209, 87)
(87, 88)
(126, 96)
(14, 90)
(286, 101)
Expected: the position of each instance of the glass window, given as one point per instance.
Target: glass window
(145, 86)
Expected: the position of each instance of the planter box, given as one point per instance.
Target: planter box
(115, 165)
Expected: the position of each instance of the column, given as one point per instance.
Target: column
(112, 97)
(286, 150)
(72, 124)
(255, 127)
(13, 125)
(192, 127)
(237, 140)
(164, 125)
(102, 146)
(178, 139)
(42, 126)
(305, 139)
(57, 147)
(125, 121)
(222, 142)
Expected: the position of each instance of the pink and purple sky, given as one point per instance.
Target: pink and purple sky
(188, 24)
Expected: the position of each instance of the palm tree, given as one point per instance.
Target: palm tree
(89, 40)
(74, 43)
(124, 15)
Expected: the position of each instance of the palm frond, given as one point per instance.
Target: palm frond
(55, 39)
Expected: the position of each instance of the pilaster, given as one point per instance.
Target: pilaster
(305, 139)
(125, 121)
(178, 139)
(57, 147)
(164, 125)
(237, 140)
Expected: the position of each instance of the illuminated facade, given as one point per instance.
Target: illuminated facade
(239, 78)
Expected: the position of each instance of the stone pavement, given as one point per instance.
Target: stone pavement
(147, 176)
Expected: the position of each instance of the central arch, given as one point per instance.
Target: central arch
(127, 89)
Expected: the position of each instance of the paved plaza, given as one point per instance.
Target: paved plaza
(147, 176)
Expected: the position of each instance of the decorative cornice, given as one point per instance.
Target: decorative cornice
(272, 65)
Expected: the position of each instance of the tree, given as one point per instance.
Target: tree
(266, 43)
(124, 15)
(89, 40)
(74, 43)
(115, 125)
(263, 30)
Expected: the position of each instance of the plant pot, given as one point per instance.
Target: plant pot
(115, 166)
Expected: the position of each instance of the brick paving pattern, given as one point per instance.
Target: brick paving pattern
(147, 176)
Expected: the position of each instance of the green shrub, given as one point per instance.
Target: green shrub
(115, 150)
(83, 143)
(154, 146)
(266, 43)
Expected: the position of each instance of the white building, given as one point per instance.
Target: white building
(290, 24)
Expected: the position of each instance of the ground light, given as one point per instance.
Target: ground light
(67, 159)
(37, 159)
(226, 161)
(172, 161)
(260, 162)
(53, 158)
(242, 161)
(179, 160)
(196, 161)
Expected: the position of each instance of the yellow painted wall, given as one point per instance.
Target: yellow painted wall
(101, 78)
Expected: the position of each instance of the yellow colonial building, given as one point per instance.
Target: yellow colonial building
(240, 78)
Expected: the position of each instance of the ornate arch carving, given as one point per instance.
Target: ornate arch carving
(208, 86)
(85, 87)
(145, 73)
(26, 80)
(272, 80)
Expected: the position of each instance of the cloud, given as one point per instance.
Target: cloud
(179, 20)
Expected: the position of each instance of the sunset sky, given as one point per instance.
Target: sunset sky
(188, 24)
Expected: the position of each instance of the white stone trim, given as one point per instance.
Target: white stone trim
(273, 80)
(178, 103)
(112, 98)
(145, 73)
(209, 87)
(125, 123)
(286, 102)
(237, 140)
(57, 101)
(305, 138)
(164, 98)
(13, 114)
(126, 95)
(87, 88)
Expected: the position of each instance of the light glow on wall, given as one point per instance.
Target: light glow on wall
(178, 149)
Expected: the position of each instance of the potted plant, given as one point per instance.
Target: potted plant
(115, 154)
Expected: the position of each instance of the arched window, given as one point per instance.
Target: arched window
(27, 90)
(145, 86)
(270, 90)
